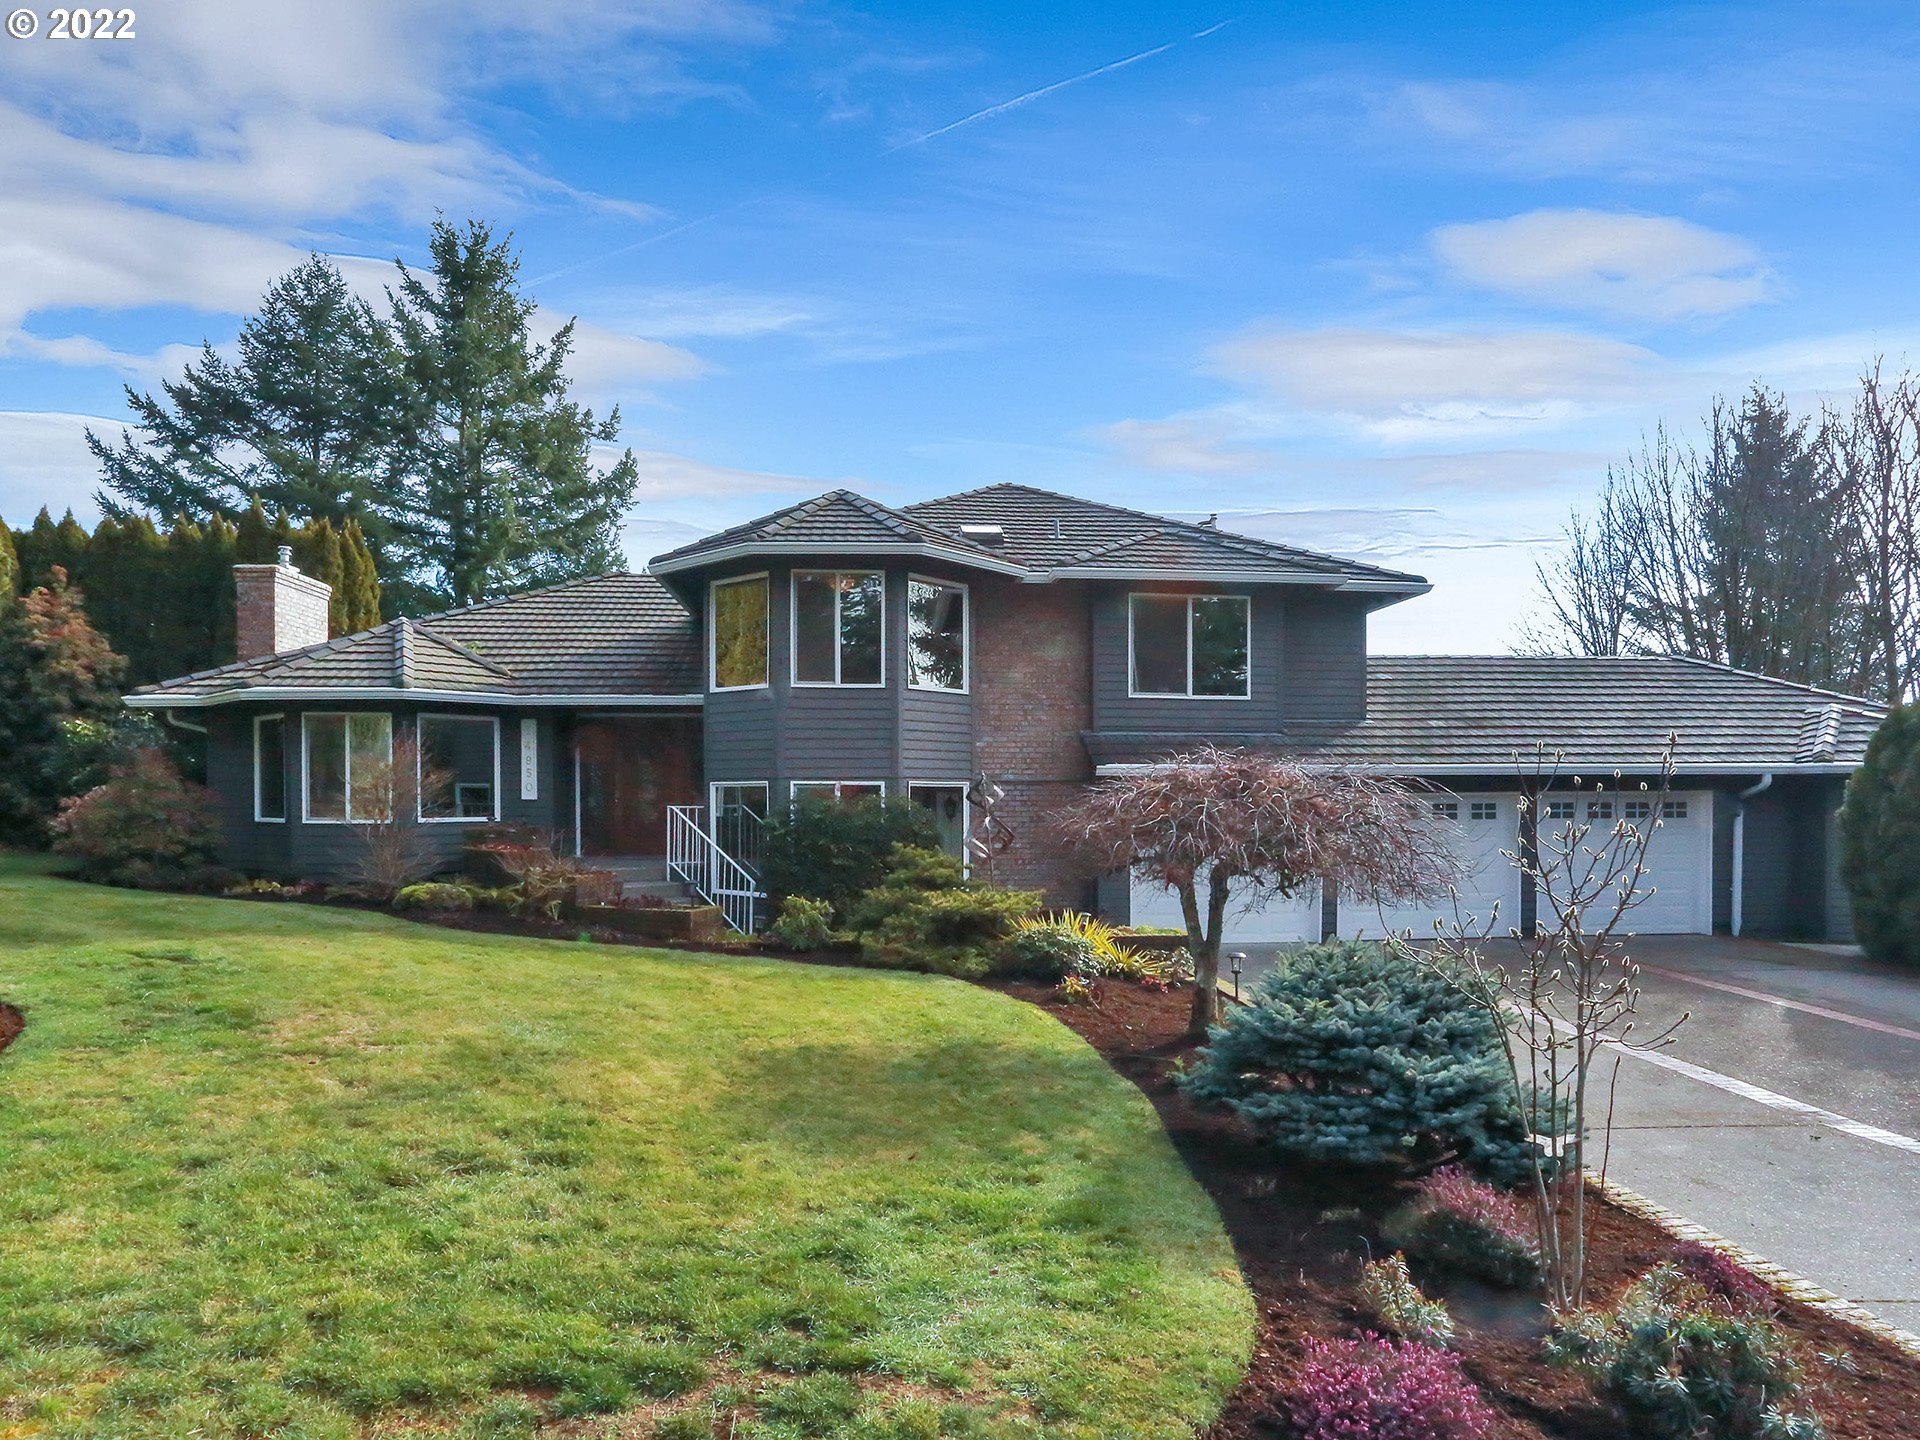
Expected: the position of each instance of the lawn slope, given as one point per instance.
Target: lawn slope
(272, 1169)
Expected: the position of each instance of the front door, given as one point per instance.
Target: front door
(630, 771)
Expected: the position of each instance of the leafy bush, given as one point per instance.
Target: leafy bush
(1389, 1295)
(836, 851)
(802, 924)
(541, 881)
(1048, 951)
(1361, 1056)
(1374, 1389)
(434, 895)
(1680, 1365)
(145, 826)
(1464, 1225)
(926, 916)
(1880, 841)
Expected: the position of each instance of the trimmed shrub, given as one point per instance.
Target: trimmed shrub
(1880, 841)
(1359, 1055)
(433, 895)
(145, 826)
(1040, 948)
(1459, 1224)
(1681, 1366)
(1388, 1293)
(802, 924)
(836, 851)
(926, 916)
(1375, 1389)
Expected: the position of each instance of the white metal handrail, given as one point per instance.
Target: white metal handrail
(698, 861)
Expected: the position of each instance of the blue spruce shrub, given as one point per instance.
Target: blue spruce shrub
(1357, 1055)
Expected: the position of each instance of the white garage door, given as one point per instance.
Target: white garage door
(1295, 918)
(1479, 827)
(1678, 881)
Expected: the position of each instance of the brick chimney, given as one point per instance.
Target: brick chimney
(276, 608)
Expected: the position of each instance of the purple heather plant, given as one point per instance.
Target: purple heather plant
(1377, 1389)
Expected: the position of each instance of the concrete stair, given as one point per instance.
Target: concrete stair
(645, 876)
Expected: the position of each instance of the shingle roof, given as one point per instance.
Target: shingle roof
(606, 635)
(840, 519)
(1476, 712)
(1044, 533)
(1049, 531)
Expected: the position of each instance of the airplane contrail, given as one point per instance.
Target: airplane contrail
(975, 118)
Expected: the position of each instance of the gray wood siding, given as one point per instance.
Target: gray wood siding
(247, 845)
(1115, 709)
(1324, 675)
(936, 735)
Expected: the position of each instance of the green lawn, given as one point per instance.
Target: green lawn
(278, 1170)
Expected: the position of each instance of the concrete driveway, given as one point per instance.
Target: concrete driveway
(1787, 1114)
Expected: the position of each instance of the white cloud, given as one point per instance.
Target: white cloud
(607, 364)
(1421, 386)
(1642, 267)
(665, 476)
(707, 312)
(44, 460)
(1197, 444)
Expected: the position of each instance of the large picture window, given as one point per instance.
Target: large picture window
(270, 767)
(740, 630)
(838, 627)
(459, 763)
(1189, 645)
(936, 635)
(349, 768)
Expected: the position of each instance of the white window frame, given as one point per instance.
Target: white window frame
(794, 787)
(966, 638)
(306, 744)
(419, 779)
(965, 788)
(281, 818)
(793, 634)
(713, 632)
(714, 787)
(1188, 694)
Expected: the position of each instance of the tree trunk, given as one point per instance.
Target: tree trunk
(1206, 964)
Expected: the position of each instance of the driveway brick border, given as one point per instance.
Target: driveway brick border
(1796, 1287)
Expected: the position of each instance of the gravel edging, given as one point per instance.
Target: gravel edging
(1795, 1287)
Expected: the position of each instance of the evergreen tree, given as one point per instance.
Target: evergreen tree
(9, 569)
(1880, 841)
(362, 581)
(496, 460)
(300, 421)
(49, 544)
(55, 670)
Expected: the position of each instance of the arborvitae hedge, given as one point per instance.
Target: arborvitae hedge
(164, 599)
(1880, 841)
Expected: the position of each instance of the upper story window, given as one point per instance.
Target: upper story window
(349, 768)
(459, 764)
(740, 628)
(839, 627)
(1189, 645)
(936, 635)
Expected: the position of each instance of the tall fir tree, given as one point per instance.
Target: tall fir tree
(361, 579)
(495, 458)
(9, 568)
(301, 420)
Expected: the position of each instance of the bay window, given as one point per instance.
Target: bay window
(838, 627)
(936, 635)
(348, 764)
(1192, 646)
(459, 764)
(740, 628)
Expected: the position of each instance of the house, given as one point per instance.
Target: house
(841, 647)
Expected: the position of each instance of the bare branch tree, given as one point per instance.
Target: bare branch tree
(1877, 448)
(1215, 825)
(1567, 994)
(391, 851)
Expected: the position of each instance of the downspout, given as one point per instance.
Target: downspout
(1740, 845)
(178, 723)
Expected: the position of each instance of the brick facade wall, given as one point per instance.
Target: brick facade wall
(1032, 698)
(277, 609)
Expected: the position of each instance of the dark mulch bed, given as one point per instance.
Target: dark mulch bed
(12, 1022)
(1302, 1263)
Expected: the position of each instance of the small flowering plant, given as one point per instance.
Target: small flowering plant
(1377, 1389)
(1458, 1223)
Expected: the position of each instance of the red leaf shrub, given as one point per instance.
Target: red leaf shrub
(1459, 1193)
(1375, 1389)
(144, 826)
(1460, 1224)
(1719, 1275)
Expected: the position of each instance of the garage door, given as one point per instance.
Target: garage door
(1296, 918)
(1478, 827)
(1678, 882)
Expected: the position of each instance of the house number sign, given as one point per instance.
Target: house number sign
(529, 759)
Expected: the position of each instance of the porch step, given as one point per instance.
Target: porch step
(671, 891)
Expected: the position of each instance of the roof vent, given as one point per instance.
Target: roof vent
(994, 535)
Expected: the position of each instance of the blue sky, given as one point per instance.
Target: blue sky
(1391, 283)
